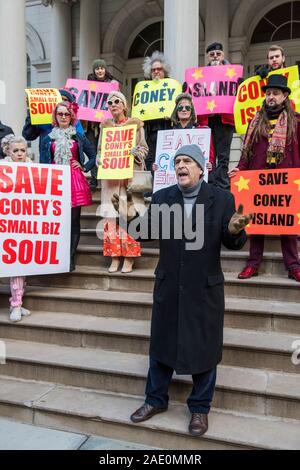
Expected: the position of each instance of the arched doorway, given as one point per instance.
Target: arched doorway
(280, 25)
(148, 40)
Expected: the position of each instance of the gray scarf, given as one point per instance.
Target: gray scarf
(63, 140)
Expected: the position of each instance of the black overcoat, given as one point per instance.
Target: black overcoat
(188, 301)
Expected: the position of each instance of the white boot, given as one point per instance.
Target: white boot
(127, 265)
(25, 312)
(114, 265)
(16, 314)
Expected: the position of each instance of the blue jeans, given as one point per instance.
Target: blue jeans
(159, 379)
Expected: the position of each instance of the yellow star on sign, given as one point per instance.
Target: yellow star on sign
(230, 72)
(297, 182)
(242, 184)
(298, 215)
(211, 105)
(197, 74)
(99, 115)
(93, 87)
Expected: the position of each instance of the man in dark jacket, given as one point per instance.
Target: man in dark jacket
(4, 130)
(188, 306)
(276, 60)
(222, 126)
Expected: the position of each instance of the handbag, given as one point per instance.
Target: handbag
(141, 181)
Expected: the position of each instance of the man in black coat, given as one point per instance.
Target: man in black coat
(188, 306)
(4, 130)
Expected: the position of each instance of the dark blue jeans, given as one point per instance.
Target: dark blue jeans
(158, 381)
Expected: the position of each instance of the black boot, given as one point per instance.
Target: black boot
(74, 243)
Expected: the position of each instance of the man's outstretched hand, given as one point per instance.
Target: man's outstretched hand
(239, 221)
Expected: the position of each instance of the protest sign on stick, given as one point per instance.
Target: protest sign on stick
(168, 142)
(41, 103)
(116, 162)
(274, 198)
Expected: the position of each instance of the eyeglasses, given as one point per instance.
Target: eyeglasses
(181, 108)
(157, 69)
(213, 53)
(110, 103)
(63, 114)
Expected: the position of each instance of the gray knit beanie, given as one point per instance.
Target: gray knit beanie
(99, 63)
(193, 151)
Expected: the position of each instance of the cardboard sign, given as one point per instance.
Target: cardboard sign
(91, 98)
(250, 96)
(41, 103)
(116, 161)
(155, 99)
(168, 142)
(35, 219)
(214, 88)
(274, 197)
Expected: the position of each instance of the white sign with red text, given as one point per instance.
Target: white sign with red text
(35, 219)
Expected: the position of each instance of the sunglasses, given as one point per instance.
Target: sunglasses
(181, 108)
(158, 69)
(63, 114)
(110, 103)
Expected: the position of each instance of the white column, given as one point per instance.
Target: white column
(181, 37)
(217, 23)
(61, 42)
(13, 63)
(89, 44)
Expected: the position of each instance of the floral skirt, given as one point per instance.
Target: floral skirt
(117, 242)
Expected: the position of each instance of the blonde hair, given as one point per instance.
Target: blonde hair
(11, 139)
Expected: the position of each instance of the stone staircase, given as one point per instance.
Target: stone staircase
(79, 362)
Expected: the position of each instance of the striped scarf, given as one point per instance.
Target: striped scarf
(277, 139)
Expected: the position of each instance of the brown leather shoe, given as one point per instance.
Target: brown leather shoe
(198, 424)
(145, 412)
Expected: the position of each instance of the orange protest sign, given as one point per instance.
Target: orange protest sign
(273, 196)
(116, 160)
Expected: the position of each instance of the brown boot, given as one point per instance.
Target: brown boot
(127, 265)
(198, 424)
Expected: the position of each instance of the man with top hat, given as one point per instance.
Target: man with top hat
(222, 126)
(188, 298)
(272, 141)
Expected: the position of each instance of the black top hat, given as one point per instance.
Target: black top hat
(215, 46)
(277, 81)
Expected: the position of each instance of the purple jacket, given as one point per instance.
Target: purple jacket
(259, 154)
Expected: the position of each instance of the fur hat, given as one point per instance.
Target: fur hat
(156, 57)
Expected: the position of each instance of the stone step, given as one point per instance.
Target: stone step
(242, 348)
(250, 390)
(107, 414)
(266, 287)
(89, 255)
(90, 237)
(265, 315)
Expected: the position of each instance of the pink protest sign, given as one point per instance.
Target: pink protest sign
(214, 88)
(91, 98)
